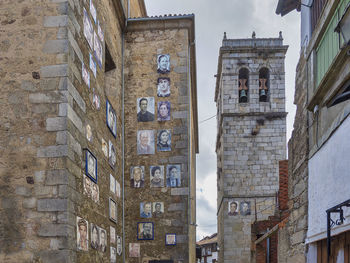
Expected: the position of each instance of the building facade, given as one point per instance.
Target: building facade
(250, 98)
(319, 144)
(208, 249)
(98, 133)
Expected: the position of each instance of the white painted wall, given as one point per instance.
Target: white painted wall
(329, 181)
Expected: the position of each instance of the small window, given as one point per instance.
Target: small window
(264, 83)
(243, 85)
(109, 62)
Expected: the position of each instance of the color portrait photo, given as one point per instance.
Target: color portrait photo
(145, 142)
(173, 176)
(145, 231)
(156, 176)
(163, 111)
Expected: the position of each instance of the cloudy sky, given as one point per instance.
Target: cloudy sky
(239, 18)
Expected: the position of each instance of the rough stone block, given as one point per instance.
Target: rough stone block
(29, 203)
(76, 96)
(180, 114)
(73, 116)
(56, 21)
(23, 191)
(181, 144)
(63, 109)
(178, 159)
(181, 239)
(180, 191)
(28, 85)
(75, 46)
(56, 46)
(176, 207)
(53, 151)
(61, 137)
(53, 230)
(56, 124)
(39, 176)
(179, 130)
(52, 71)
(52, 205)
(62, 33)
(48, 97)
(56, 177)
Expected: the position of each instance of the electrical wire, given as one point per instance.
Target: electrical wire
(207, 119)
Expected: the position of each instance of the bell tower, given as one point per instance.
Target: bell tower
(251, 138)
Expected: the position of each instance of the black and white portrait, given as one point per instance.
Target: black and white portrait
(111, 118)
(163, 111)
(91, 166)
(117, 189)
(103, 240)
(170, 239)
(156, 176)
(163, 62)
(113, 255)
(88, 133)
(119, 245)
(145, 109)
(88, 30)
(111, 183)
(244, 208)
(145, 231)
(112, 210)
(146, 209)
(85, 75)
(158, 209)
(104, 147)
(98, 50)
(233, 208)
(95, 192)
(92, 65)
(112, 157)
(173, 175)
(163, 141)
(95, 237)
(163, 87)
(82, 234)
(112, 234)
(137, 176)
(96, 100)
(145, 142)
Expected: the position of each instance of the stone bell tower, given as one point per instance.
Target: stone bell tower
(251, 138)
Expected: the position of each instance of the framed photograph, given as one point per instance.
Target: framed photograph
(163, 63)
(233, 208)
(100, 32)
(88, 133)
(95, 192)
(164, 140)
(170, 239)
(111, 119)
(98, 50)
(145, 142)
(96, 100)
(92, 65)
(137, 176)
(117, 189)
(112, 158)
(146, 209)
(82, 234)
(145, 109)
(163, 87)
(91, 166)
(111, 183)
(173, 175)
(85, 74)
(88, 30)
(156, 176)
(103, 240)
(163, 111)
(113, 255)
(244, 208)
(104, 147)
(112, 210)
(134, 250)
(112, 234)
(145, 231)
(87, 184)
(158, 209)
(95, 237)
(119, 245)
(93, 10)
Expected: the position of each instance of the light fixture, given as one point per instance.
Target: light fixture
(343, 26)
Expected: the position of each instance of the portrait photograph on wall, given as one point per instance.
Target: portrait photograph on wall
(112, 210)
(146, 209)
(134, 250)
(95, 237)
(112, 158)
(119, 245)
(170, 239)
(233, 208)
(82, 234)
(173, 175)
(95, 192)
(91, 165)
(93, 11)
(145, 142)
(88, 133)
(92, 65)
(156, 176)
(100, 31)
(98, 50)
(163, 87)
(111, 183)
(113, 255)
(117, 189)
(85, 75)
(111, 119)
(145, 231)
(158, 209)
(163, 141)
(163, 111)
(163, 63)
(88, 30)
(145, 109)
(96, 100)
(112, 234)
(87, 185)
(244, 208)
(137, 176)
(103, 240)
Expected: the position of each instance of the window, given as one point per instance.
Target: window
(264, 83)
(243, 85)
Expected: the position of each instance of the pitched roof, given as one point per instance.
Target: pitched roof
(208, 240)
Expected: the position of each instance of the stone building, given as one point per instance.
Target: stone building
(207, 249)
(76, 78)
(319, 147)
(251, 138)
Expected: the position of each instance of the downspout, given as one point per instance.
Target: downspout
(189, 144)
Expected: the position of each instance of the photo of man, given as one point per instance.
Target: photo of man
(85, 74)
(145, 110)
(233, 208)
(146, 209)
(111, 119)
(145, 231)
(137, 178)
(95, 193)
(98, 50)
(91, 166)
(163, 141)
(88, 29)
(87, 186)
(163, 87)
(111, 183)
(163, 111)
(103, 240)
(112, 158)
(95, 237)
(245, 208)
(82, 234)
(145, 142)
(163, 63)
(88, 133)
(173, 176)
(134, 250)
(158, 209)
(117, 189)
(157, 176)
(112, 210)
(170, 239)
(104, 147)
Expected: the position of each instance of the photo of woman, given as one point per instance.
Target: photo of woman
(164, 141)
(163, 111)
